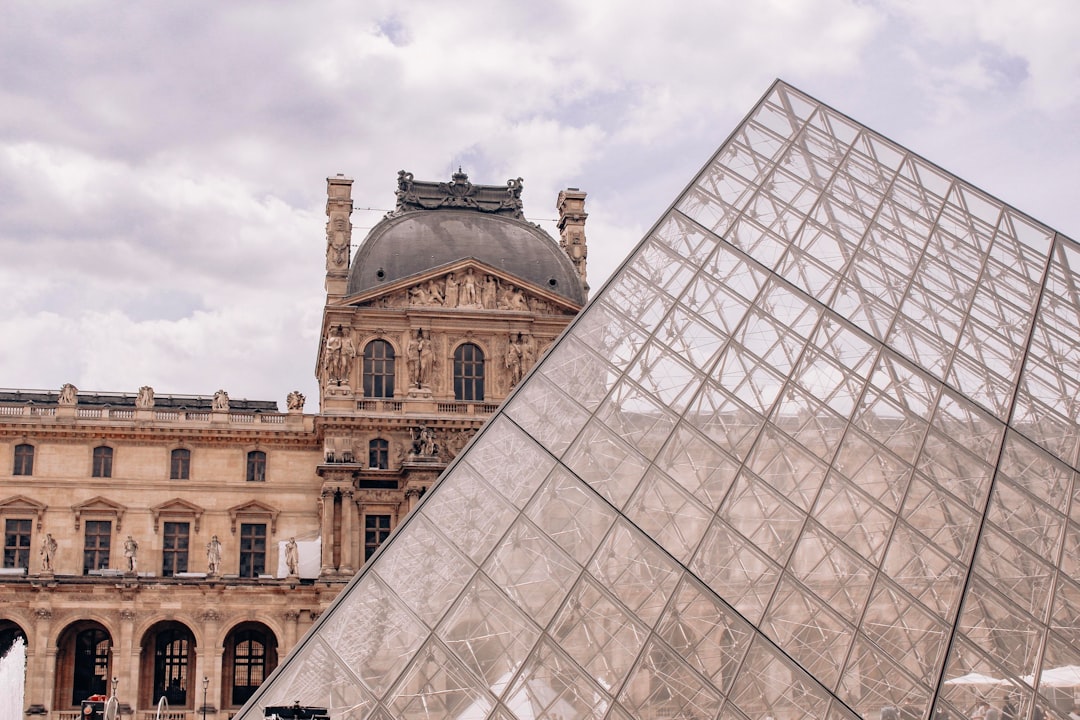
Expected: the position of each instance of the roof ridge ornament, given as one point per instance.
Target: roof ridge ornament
(458, 194)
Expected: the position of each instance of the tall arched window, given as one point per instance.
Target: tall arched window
(468, 373)
(378, 369)
(91, 671)
(103, 457)
(171, 665)
(24, 460)
(250, 655)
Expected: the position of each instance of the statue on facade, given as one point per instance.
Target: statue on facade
(520, 356)
(48, 552)
(435, 294)
(489, 292)
(213, 556)
(451, 291)
(69, 394)
(338, 356)
(221, 400)
(419, 355)
(295, 401)
(145, 399)
(423, 441)
(292, 557)
(468, 295)
(131, 549)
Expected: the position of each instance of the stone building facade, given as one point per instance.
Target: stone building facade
(178, 545)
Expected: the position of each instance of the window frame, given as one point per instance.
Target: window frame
(172, 556)
(180, 464)
(375, 534)
(16, 551)
(469, 372)
(100, 552)
(102, 462)
(378, 369)
(252, 558)
(23, 464)
(255, 466)
(379, 454)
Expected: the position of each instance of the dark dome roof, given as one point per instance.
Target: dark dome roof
(413, 242)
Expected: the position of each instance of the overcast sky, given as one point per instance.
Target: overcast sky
(163, 164)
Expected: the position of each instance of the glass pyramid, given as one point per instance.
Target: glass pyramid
(811, 453)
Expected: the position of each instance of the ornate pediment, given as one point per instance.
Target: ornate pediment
(465, 285)
(99, 507)
(19, 505)
(253, 510)
(179, 508)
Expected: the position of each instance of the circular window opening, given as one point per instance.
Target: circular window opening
(553, 282)
(380, 273)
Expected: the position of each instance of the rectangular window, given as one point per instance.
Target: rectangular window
(17, 543)
(376, 529)
(180, 465)
(256, 466)
(252, 549)
(102, 462)
(24, 460)
(96, 544)
(175, 544)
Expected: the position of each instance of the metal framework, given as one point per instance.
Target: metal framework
(811, 453)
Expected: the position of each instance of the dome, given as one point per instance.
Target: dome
(416, 238)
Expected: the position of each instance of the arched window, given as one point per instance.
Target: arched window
(180, 464)
(378, 369)
(103, 457)
(91, 672)
(379, 454)
(171, 655)
(24, 460)
(468, 373)
(251, 653)
(256, 466)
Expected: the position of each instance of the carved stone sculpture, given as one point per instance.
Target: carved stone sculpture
(338, 356)
(131, 550)
(213, 556)
(337, 243)
(468, 295)
(489, 292)
(221, 400)
(419, 355)
(295, 401)
(48, 552)
(292, 557)
(145, 399)
(423, 441)
(451, 291)
(69, 394)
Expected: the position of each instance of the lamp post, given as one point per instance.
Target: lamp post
(205, 685)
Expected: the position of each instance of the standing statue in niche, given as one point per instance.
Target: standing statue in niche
(338, 356)
(213, 556)
(292, 557)
(131, 549)
(48, 552)
(419, 355)
(221, 400)
(69, 394)
(520, 356)
(145, 399)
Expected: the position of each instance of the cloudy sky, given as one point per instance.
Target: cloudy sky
(163, 165)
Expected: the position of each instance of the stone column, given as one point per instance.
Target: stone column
(292, 617)
(126, 660)
(41, 671)
(348, 511)
(208, 663)
(326, 500)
